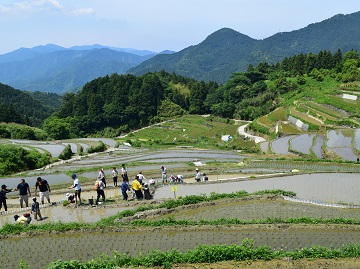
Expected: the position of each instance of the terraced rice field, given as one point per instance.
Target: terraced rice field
(141, 240)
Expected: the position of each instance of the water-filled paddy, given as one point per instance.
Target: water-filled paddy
(357, 139)
(262, 209)
(281, 145)
(327, 187)
(85, 246)
(317, 148)
(302, 143)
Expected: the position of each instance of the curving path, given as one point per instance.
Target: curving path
(257, 139)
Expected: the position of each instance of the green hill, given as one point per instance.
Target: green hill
(26, 108)
(227, 51)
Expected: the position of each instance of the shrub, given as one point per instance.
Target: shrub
(66, 153)
(99, 148)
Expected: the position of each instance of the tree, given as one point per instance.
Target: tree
(57, 128)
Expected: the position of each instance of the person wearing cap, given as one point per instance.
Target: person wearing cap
(22, 219)
(44, 189)
(137, 188)
(3, 193)
(24, 190)
(77, 188)
(198, 175)
(163, 174)
(102, 176)
(35, 208)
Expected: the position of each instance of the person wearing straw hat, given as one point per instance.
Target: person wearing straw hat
(198, 175)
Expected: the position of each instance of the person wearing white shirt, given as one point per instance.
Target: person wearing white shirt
(124, 174)
(198, 175)
(141, 177)
(115, 176)
(77, 188)
(163, 174)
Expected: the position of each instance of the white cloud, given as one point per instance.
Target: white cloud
(4, 9)
(55, 4)
(83, 11)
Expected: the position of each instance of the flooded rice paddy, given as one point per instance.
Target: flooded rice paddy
(260, 210)
(85, 246)
(326, 188)
(302, 143)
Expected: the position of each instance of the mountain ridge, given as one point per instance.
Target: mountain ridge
(223, 58)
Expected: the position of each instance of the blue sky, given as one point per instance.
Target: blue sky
(154, 25)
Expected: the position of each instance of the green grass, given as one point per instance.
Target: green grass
(190, 130)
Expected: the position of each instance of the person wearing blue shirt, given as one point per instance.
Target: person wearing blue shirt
(125, 187)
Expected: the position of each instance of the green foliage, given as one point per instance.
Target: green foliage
(66, 153)
(15, 159)
(18, 131)
(99, 148)
(246, 251)
(169, 109)
(57, 128)
(254, 126)
(20, 107)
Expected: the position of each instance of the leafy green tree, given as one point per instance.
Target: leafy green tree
(57, 128)
(197, 98)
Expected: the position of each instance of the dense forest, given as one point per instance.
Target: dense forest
(114, 104)
(26, 108)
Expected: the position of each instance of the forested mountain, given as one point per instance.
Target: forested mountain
(25, 108)
(122, 102)
(227, 51)
(58, 70)
(113, 104)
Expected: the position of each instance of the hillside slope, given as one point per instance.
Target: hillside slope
(61, 70)
(227, 51)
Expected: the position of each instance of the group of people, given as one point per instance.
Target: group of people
(138, 189)
(41, 186)
(114, 174)
(179, 178)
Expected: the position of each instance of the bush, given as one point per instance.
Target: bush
(66, 153)
(15, 159)
(100, 148)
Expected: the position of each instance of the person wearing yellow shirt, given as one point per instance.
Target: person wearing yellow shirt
(137, 187)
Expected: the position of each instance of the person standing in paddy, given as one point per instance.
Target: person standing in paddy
(24, 190)
(198, 175)
(100, 190)
(124, 174)
(163, 174)
(44, 189)
(77, 188)
(3, 193)
(102, 177)
(137, 187)
(115, 176)
(124, 188)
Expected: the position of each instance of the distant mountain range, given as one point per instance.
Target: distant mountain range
(52, 68)
(227, 51)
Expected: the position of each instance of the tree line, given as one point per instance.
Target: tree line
(111, 105)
